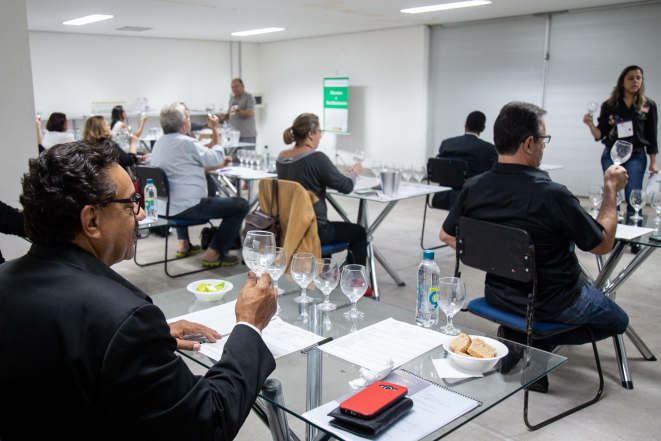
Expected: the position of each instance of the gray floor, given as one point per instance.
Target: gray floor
(620, 415)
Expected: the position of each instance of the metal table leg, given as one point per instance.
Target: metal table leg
(621, 355)
(364, 220)
(639, 344)
(382, 260)
(276, 417)
(313, 386)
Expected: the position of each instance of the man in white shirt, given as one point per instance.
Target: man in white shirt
(185, 162)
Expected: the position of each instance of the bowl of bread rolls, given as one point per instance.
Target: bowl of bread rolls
(474, 352)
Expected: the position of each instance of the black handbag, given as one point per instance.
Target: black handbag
(259, 220)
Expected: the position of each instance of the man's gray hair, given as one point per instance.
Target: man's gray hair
(171, 117)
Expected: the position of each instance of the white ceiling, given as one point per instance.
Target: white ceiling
(216, 19)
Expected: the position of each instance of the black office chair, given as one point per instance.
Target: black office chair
(510, 253)
(160, 180)
(447, 173)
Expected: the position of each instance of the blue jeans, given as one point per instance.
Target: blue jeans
(337, 232)
(593, 308)
(635, 167)
(230, 210)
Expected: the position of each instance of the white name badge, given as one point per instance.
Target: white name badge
(625, 129)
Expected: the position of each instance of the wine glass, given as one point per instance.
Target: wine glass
(259, 250)
(210, 108)
(619, 198)
(275, 270)
(621, 152)
(637, 200)
(354, 285)
(326, 278)
(358, 156)
(419, 173)
(241, 154)
(389, 165)
(452, 295)
(592, 107)
(655, 202)
(407, 171)
(596, 196)
(377, 166)
(302, 270)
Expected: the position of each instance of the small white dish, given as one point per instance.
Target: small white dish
(478, 364)
(209, 296)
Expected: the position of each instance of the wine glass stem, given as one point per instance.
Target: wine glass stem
(326, 298)
(303, 291)
(275, 284)
(450, 322)
(637, 210)
(353, 305)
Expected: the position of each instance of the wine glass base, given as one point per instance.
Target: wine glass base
(449, 330)
(304, 299)
(636, 218)
(281, 291)
(327, 307)
(354, 314)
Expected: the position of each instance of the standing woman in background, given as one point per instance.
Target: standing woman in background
(631, 116)
(118, 117)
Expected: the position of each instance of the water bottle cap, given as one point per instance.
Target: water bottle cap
(151, 181)
(428, 255)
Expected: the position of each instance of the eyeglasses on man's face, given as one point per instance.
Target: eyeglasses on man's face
(135, 199)
(545, 138)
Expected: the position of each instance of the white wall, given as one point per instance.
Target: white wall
(387, 90)
(17, 115)
(73, 70)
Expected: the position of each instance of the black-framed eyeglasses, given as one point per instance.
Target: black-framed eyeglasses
(546, 138)
(135, 199)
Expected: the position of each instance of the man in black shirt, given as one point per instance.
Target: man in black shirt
(478, 154)
(517, 194)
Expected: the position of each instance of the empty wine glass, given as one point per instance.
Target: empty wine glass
(241, 154)
(389, 165)
(596, 196)
(407, 171)
(326, 278)
(592, 107)
(419, 172)
(358, 156)
(637, 200)
(210, 108)
(621, 152)
(302, 270)
(259, 250)
(354, 285)
(655, 202)
(275, 270)
(452, 295)
(619, 198)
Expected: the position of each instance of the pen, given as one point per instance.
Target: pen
(311, 347)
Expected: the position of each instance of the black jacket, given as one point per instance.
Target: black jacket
(86, 355)
(11, 222)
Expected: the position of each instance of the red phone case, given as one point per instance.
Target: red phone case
(374, 399)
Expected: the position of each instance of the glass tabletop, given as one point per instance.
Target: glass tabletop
(649, 221)
(336, 373)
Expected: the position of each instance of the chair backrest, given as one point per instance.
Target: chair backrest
(157, 175)
(504, 251)
(447, 172)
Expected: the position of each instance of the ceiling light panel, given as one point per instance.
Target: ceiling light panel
(446, 6)
(257, 32)
(87, 19)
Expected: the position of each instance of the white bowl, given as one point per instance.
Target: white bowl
(478, 364)
(209, 296)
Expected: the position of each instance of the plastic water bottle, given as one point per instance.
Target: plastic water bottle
(267, 158)
(150, 201)
(426, 308)
(77, 137)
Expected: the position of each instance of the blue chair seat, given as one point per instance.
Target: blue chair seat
(334, 248)
(185, 222)
(482, 308)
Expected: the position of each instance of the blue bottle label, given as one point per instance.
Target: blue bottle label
(433, 299)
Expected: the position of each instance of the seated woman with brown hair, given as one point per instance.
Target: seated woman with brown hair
(56, 131)
(97, 130)
(315, 172)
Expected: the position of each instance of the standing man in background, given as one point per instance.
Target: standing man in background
(478, 154)
(241, 113)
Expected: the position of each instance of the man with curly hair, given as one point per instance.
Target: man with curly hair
(102, 362)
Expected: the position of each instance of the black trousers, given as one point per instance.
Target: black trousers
(338, 232)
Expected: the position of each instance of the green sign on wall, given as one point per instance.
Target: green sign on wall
(336, 105)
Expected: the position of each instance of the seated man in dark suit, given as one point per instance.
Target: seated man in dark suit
(478, 154)
(88, 352)
(517, 194)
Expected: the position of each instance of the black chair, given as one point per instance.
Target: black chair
(160, 180)
(447, 173)
(510, 253)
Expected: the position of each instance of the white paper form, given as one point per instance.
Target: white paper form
(433, 408)
(371, 347)
(628, 232)
(283, 338)
(220, 318)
